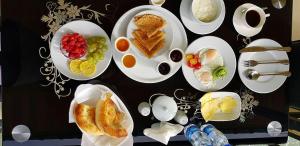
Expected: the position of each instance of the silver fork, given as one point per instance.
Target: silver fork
(252, 63)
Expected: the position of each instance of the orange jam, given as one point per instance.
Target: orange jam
(122, 45)
(129, 61)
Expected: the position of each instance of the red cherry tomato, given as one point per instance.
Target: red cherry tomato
(197, 66)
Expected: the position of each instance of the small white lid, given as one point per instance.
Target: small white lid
(164, 108)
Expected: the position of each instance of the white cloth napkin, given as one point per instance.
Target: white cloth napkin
(163, 131)
(86, 142)
(89, 94)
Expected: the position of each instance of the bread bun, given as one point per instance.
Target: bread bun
(109, 118)
(85, 119)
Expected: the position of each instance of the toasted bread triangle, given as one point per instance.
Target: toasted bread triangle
(149, 23)
(145, 51)
(148, 43)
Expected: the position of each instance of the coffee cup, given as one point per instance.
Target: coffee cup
(253, 17)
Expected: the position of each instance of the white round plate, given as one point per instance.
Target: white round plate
(193, 25)
(86, 29)
(264, 84)
(145, 71)
(168, 30)
(228, 56)
(247, 32)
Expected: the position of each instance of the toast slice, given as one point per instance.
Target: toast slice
(145, 51)
(148, 43)
(149, 23)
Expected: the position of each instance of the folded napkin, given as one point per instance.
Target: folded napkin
(163, 131)
(89, 94)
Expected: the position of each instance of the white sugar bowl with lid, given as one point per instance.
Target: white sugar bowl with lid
(164, 108)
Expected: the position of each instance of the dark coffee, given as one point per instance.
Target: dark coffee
(252, 18)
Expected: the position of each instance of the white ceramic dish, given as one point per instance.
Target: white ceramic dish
(220, 116)
(228, 56)
(145, 70)
(168, 30)
(245, 31)
(84, 28)
(219, 7)
(264, 84)
(89, 94)
(157, 2)
(193, 25)
(121, 38)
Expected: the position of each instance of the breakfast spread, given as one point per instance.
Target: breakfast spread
(206, 66)
(149, 37)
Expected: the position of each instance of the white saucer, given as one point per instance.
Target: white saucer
(193, 25)
(265, 84)
(247, 32)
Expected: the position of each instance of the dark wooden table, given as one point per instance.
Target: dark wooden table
(25, 101)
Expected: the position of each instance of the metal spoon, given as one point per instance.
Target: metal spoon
(254, 75)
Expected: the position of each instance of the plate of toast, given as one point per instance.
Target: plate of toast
(150, 34)
(144, 39)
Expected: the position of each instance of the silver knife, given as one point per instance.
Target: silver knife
(261, 49)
